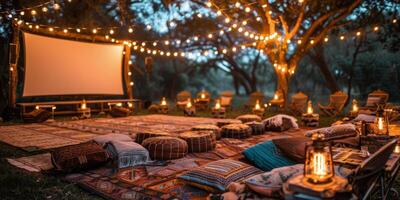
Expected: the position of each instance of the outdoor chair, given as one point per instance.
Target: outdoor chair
(225, 99)
(298, 103)
(182, 99)
(251, 102)
(375, 98)
(336, 104)
(368, 174)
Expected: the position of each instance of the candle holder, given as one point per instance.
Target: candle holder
(217, 111)
(354, 109)
(189, 110)
(310, 119)
(164, 107)
(258, 110)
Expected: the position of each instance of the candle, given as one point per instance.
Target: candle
(257, 106)
(130, 105)
(217, 105)
(189, 104)
(203, 96)
(163, 102)
(276, 97)
(355, 106)
(37, 107)
(310, 108)
(119, 104)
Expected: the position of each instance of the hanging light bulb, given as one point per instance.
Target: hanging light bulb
(247, 9)
(143, 44)
(298, 41)
(148, 27)
(227, 20)
(326, 39)
(234, 49)
(196, 38)
(376, 28)
(111, 32)
(175, 54)
(56, 6)
(394, 21)
(166, 42)
(183, 54)
(210, 36)
(237, 4)
(358, 33)
(33, 12)
(130, 30)
(342, 37)
(154, 43)
(22, 13)
(219, 13)
(221, 32)
(45, 9)
(209, 4)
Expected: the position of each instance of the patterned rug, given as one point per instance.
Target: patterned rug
(32, 137)
(133, 124)
(154, 182)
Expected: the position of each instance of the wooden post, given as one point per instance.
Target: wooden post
(13, 66)
(126, 70)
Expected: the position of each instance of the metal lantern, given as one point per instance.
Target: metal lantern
(318, 167)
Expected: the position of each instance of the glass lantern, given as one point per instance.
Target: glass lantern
(380, 121)
(318, 167)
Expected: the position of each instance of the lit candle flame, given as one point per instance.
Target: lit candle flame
(189, 104)
(355, 106)
(257, 106)
(163, 102)
(83, 105)
(37, 107)
(310, 108)
(130, 105)
(217, 105)
(203, 96)
(276, 97)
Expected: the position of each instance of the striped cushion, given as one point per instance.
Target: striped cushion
(335, 132)
(141, 136)
(236, 131)
(199, 141)
(217, 175)
(165, 148)
(249, 118)
(208, 127)
(257, 128)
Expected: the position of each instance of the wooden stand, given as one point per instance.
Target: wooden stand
(163, 109)
(189, 111)
(299, 188)
(310, 120)
(260, 112)
(85, 113)
(218, 113)
(202, 104)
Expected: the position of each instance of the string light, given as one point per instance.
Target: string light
(65, 30)
(376, 28)
(56, 6)
(130, 30)
(45, 9)
(33, 12)
(94, 31)
(51, 29)
(78, 30)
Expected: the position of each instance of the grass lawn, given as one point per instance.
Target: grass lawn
(18, 184)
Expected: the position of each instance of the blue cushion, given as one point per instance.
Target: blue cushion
(267, 156)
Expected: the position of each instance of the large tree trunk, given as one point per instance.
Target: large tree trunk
(318, 57)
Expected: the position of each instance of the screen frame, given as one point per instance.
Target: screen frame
(23, 45)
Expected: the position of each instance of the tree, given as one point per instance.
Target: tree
(295, 27)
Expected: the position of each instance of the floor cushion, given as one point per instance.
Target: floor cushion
(257, 128)
(208, 127)
(79, 157)
(142, 135)
(269, 184)
(199, 141)
(165, 147)
(36, 116)
(293, 147)
(216, 176)
(267, 156)
(227, 122)
(103, 139)
(365, 118)
(280, 123)
(127, 153)
(236, 131)
(249, 118)
(335, 132)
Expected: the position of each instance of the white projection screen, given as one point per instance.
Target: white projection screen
(64, 67)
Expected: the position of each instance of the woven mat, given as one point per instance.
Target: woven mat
(133, 124)
(40, 136)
